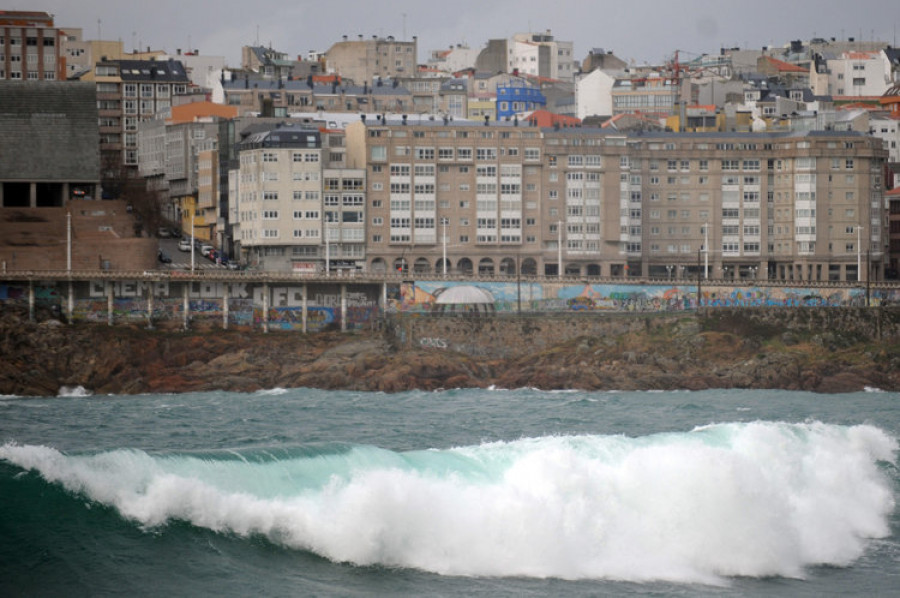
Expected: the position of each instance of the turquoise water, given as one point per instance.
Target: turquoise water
(456, 493)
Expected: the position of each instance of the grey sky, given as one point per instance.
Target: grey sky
(639, 30)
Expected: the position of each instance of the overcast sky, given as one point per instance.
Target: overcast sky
(639, 30)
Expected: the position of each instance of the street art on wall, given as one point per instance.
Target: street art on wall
(423, 297)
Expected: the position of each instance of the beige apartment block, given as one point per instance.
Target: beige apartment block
(365, 60)
(502, 199)
(294, 212)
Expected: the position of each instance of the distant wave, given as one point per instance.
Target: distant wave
(745, 499)
(74, 391)
(273, 391)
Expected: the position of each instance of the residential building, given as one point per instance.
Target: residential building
(366, 60)
(292, 211)
(851, 74)
(128, 93)
(457, 58)
(517, 99)
(281, 98)
(535, 54)
(598, 58)
(30, 47)
(511, 198)
(81, 54)
(593, 93)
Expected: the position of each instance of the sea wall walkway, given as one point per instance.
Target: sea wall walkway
(308, 303)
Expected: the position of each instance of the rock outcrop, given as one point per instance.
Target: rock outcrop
(686, 352)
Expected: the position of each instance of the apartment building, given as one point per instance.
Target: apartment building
(365, 60)
(499, 198)
(128, 93)
(254, 96)
(851, 74)
(291, 210)
(31, 47)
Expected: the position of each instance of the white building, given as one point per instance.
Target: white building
(888, 130)
(857, 74)
(540, 55)
(593, 94)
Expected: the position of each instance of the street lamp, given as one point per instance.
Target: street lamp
(444, 223)
(669, 270)
(559, 272)
(753, 270)
(859, 253)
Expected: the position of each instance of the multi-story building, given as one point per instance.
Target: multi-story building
(851, 74)
(292, 211)
(593, 202)
(31, 47)
(129, 92)
(286, 97)
(365, 60)
(534, 54)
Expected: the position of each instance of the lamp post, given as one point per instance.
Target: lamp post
(669, 270)
(559, 272)
(444, 262)
(192, 241)
(69, 241)
(706, 251)
(859, 253)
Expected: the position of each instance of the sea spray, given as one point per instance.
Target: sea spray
(750, 499)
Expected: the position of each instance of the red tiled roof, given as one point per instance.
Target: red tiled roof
(785, 67)
(545, 118)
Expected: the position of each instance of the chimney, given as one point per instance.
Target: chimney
(486, 119)
(404, 119)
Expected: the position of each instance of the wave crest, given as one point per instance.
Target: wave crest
(758, 499)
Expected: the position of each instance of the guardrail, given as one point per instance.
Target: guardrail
(392, 277)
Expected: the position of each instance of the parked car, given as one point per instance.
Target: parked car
(163, 233)
(205, 249)
(163, 257)
(184, 245)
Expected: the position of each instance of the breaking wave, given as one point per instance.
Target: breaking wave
(754, 499)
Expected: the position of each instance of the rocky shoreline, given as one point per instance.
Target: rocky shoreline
(41, 358)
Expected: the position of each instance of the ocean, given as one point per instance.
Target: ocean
(451, 493)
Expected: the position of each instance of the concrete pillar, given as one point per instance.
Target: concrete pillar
(265, 314)
(150, 306)
(109, 303)
(343, 307)
(65, 194)
(32, 195)
(225, 289)
(31, 301)
(303, 311)
(186, 307)
(71, 307)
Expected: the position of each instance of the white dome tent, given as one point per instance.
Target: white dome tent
(464, 299)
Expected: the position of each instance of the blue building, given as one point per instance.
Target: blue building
(516, 99)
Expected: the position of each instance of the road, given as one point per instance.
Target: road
(181, 260)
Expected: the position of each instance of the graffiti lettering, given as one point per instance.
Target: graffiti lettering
(435, 343)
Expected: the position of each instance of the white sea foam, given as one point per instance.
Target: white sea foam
(74, 391)
(755, 499)
(272, 391)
